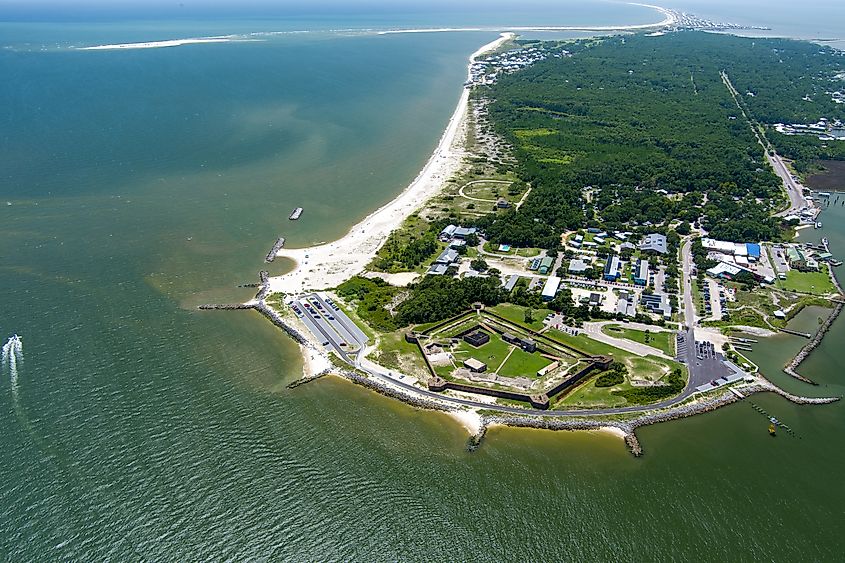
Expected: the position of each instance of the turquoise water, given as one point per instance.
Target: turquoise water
(143, 183)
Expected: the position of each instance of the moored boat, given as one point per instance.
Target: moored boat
(296, 214)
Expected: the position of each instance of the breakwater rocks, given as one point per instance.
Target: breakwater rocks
(760, 387)
(308, 379)
(277, 320)
(280, 242)
(817, 339)
(572, 424)
(225, 307)
(387, 391)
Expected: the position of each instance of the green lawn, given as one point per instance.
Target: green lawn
(664, 341)
(516, 315)
(492, 353)
(523, 364)
(815, 283)
(587, 395)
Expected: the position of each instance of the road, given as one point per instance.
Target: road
(794, 190)
(701, 368)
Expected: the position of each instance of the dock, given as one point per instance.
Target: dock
(280, 242)
(796, 333)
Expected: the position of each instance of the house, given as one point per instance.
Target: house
(546, 265)
(551, 287)
(578, 238)
(595, 299)
(657, 303)
(441, 264)
(447, 233)
(475, 366)
(654, 242)
(641, 273)
(437, 269)
(796, 258)
(502, 203)
(464, 232)
(627, 304)
(533, 264)
(577, 266)
(477, 338)
(448, 256)
(511, 283)
(593, 230)
(626, 246)
(611, 268)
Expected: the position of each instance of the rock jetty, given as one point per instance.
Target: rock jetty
(816, 340)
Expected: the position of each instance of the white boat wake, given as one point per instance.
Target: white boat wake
(12, 355)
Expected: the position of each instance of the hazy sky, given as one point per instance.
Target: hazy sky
(14, 9)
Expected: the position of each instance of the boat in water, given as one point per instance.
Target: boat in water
(297, 213)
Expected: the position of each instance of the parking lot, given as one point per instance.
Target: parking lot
(329, 324)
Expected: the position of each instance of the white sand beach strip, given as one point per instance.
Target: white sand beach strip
(329, 265)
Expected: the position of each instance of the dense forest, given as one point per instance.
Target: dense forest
(646, 125)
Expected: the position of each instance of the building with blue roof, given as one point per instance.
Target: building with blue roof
(753, 251)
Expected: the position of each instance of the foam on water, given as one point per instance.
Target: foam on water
(11, 355)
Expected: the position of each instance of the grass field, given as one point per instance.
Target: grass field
(493, 353)
(649, 367)
(814, 283)
(664, 341)
(516, 315)
(523, 364)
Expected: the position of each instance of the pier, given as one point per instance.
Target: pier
(796, 333)
(280, 242)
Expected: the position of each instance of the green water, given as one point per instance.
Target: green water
(142, 429)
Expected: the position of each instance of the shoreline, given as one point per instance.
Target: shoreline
(335, 262)
(328, 265)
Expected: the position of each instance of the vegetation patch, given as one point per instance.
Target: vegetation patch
(663, 341)
(814, 283)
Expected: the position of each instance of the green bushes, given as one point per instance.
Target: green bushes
(645, 395)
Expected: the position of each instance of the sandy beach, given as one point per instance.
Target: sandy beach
(328, 265)
(167, 43)
(668, 19)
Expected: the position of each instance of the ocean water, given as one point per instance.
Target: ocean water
(142, 183)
